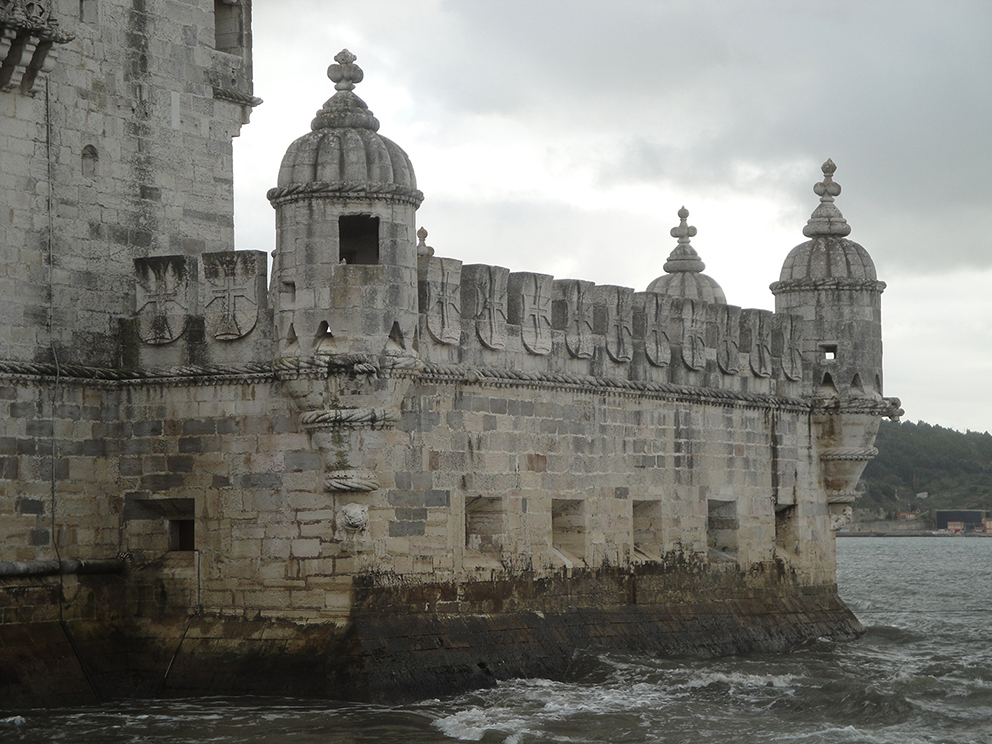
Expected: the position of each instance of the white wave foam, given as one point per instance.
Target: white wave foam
(13, 721)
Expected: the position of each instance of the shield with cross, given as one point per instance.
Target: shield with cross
(232, 291)
(164, 287)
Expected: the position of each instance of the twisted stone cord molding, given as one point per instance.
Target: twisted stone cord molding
(235, 96)
(498, 377)
(188, 375)
(827, 283)
(349, 418)
(849, 453)
(350, 480)
(358, 190)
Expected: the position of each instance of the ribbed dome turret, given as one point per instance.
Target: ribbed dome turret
(829, 255)
(344, 153)
(685, 278)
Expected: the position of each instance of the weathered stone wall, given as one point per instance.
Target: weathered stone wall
(122, 150)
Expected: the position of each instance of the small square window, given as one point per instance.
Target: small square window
(182, 535)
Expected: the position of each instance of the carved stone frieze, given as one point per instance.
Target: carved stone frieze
(788, 345)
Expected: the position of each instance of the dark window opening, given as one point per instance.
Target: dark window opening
(721, 530)
(182, 535)
(89, 160)
(787, 529)
(568, 529)
(359, 239)
(87, 11)
(485, 525)
(227, 26)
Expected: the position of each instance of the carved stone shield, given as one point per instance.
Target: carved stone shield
(484, 293)
(728, 323)
(756, 327)
(657, 329)
(235, 286)
(164, 297)
(441, 298)
(789, 338)
(618, 303)
(572, 310)
(693, 327)
(530, 306)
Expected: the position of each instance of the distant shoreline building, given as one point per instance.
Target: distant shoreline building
(380, 474)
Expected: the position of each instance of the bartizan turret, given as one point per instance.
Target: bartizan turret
(345, 270)
(830, 282)
(344, 290)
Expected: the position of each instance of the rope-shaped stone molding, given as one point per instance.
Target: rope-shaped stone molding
(356, 189)
(81, 372)
(792, 285)
(849, 453)
(500, 377)
(350, 480)
(349, 418)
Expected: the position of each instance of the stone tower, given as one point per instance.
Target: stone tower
(830, 282)
(345, 273)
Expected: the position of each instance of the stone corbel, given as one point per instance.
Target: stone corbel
(28, 34)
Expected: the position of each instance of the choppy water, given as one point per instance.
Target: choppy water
(922, 673)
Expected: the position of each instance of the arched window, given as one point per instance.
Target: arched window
(89, 159)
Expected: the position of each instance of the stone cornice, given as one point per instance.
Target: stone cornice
(391, 192)
(801, 285)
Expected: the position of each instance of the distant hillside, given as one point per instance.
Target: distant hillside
(955, 469)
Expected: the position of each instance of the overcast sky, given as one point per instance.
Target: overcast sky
(562, 136)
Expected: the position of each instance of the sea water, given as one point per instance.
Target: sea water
(921, 673)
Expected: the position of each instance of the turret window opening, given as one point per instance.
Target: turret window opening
(87, 11)
(227, 26)
(359, 239)
(829, 352)
(89, 160)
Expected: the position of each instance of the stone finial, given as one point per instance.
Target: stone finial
(684, 257)
(345, 109)
(345, 73)
(422, 248)
(826, 219)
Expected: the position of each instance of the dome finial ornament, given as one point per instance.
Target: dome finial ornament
(345, 73)
(423, 250)
(826, 218)
(684, 257)
(345, 110)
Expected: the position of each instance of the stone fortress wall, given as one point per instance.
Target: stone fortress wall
(381, 472)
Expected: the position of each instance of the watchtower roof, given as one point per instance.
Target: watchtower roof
(343, 152)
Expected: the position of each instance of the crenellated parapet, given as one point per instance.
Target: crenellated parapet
(487, 316)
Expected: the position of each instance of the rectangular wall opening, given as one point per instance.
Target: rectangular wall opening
(485, 525)
(359, 239)
(786, 529)
(568, 529)
(646, 520)
(182, 535)
(227, 27)
(721, 531)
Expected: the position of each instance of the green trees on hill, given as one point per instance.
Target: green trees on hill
(954, 469)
